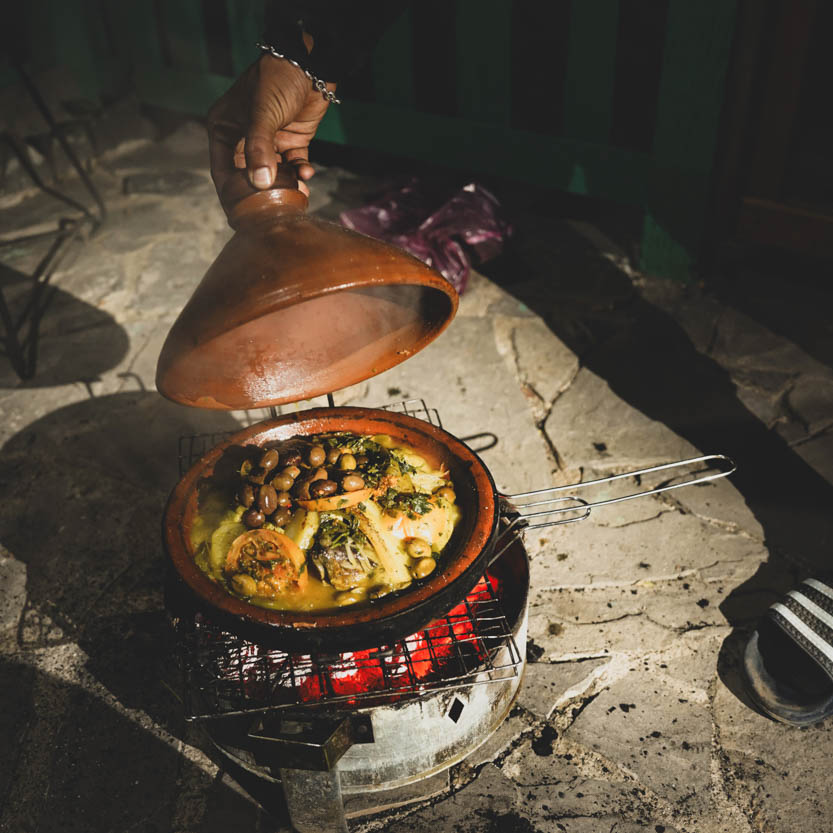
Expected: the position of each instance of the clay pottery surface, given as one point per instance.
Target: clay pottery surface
(295, 307)
(381, 621)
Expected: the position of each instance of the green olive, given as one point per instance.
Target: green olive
(347, 462)
(284, 499)
(269, 459)
(384, 440)
(352, 482)
(316, 456)
(417, 547)
(246, 495)
(291, 472)
(447, 493)
(257, 476)
(282, 482)
(267, 499)
(282, 516)
(424, 567)
(243, 584)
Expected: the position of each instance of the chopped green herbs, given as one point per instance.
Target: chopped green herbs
(337, 530)
(412, 503)
(404, 466)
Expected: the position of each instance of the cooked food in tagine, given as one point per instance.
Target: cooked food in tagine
(320, 522)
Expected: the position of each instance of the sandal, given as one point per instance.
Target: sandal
(788, 662)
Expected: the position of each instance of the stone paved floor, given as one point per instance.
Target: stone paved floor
(631, 716)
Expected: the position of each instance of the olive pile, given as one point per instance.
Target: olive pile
(271, 487)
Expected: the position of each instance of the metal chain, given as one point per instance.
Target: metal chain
(317, 83)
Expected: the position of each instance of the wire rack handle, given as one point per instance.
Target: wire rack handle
(522, 513)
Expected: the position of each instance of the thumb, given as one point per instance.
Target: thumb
(259, 150)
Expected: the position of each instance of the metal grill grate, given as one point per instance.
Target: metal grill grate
(227, 676)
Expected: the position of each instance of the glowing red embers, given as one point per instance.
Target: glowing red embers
(450, 648)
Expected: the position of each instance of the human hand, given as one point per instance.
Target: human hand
(269, 115)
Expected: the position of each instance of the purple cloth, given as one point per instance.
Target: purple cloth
(467, 227)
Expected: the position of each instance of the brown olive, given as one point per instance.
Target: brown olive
(352, 482)
(417, 547)
(284, 499)
(423, 567)
(290, 457)
(291, 471)
(282, 516)
(332, 456)
(253, 518)
(347, 462)
(447, 493)
(246, 495)
(257, 476)
(301, 488)
(267, 499)
(269, 459)
(316, 455)
(282, 482)
(361, 460)
(322, 488)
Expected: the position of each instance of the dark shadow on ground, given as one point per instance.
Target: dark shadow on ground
(649, 361)
(74, 764)
(82, 492)
(791, 294)
(74, 341)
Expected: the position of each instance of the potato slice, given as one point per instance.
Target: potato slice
(391, 557)
(303, 526)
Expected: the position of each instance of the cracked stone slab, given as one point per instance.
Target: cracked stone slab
(563, 640)
(672, 544)
(678, 605)
(645, 727)
(721, 503)
(516, 724)
(484, 298)
(690, 661)
(591, 426)
(543, 364)
(741, 343)
(777, 774)
(484, 397)
(558, 788)
(811, 400)
(546, 683)
(489, 804)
